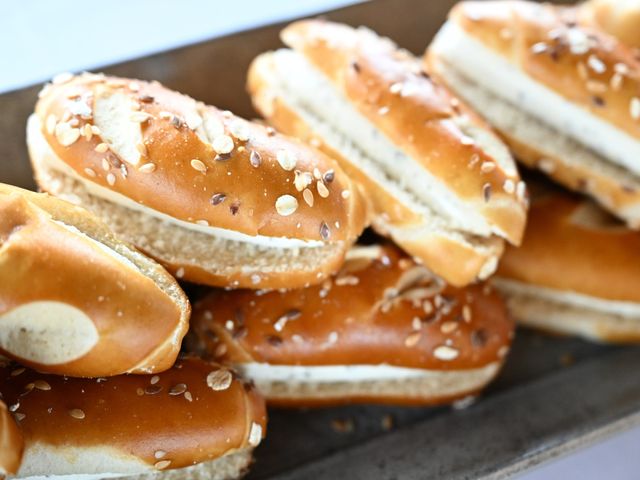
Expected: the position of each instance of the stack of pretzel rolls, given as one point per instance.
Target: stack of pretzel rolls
(564, 94)
(442, 185)
(216, 199)
(383, 330)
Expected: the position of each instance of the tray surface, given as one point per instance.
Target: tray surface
(554, 394)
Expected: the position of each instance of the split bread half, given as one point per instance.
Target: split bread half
(441, 184)
(216, 199)
(11, 443)
(196, 420)
(75, 300)
(384, 330)
(620, 18)
(576, 273)
(562, 94)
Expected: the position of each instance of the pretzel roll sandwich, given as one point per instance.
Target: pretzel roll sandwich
(442, 185)
(11, 443)
(215, 198)
(565, 96)
(196, 420)
(75, 300)
(384, 330)
(577, 272)
(620, 18)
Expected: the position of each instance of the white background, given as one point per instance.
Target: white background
(40, 38)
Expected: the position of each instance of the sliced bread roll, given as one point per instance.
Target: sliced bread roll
(442, 185)
(216, 199)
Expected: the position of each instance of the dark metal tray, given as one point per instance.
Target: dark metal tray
(553, 395)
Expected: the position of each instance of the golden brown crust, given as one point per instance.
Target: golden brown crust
(11, 443)
(420, 116)
(618, 18)
(171, 420)
(56, 255)
(381, 308)
(572, 245)
(582, 64)
(194, 162)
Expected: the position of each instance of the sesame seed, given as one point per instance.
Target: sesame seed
(105, 164)
(101, 148)
(594, 86)
(255, 434)
(239, 129)
(538, 48)
(90, 172)
(502, 352)
(307, 195)
(546, 165)
(383, 110)
(158, 454)
(146, 98)
(155, 379)
(18, 371)
(178, 389)
(634, 108)
(286, 159)
(445, 353)
(486, 192)
(578, 41)
(14, 407)
(139, 392)
(193, 120)
(345, 194)
(412, 339)
(198, 165)
(188, 397)
(509, 186)
(111, 179)
(51, 124)
(582, 71)
(395, 88)
(139, 117)
(19, 416)
(487, 167)
(153, 390)
(324, 231)
(506, 34)
(616, 82)
(219, 380)
(255, 159)
(180, 273)
(222, 144)
(66, 134)
(596, 64)
(323, 191)
(162, 464)
(141, 148)
(286, 205)
(466, 313)
(87, 133)
(77, 413)
(61, 78)
(328, 176)
(521, 190)
(217, 198)
(448, 327)
(302, 180)
(147, 168)
(41, 385)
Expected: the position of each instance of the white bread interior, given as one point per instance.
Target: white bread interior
(459, 52)
(309, 94)
(168, 240)
(570, 313)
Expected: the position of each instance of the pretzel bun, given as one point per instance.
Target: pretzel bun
(75, 300)
(563, 95)
(384, 330)
(442, 185)
(215, 198)
(196, 420)
(576, 272)
(11, 443)
(620, 18)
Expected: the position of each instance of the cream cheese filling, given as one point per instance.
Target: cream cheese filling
(456, 48)
(565, 297)
(347, 373)
(45, 155)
